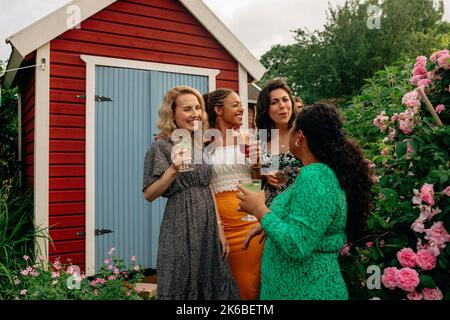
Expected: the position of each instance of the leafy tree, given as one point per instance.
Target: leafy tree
(334, 62)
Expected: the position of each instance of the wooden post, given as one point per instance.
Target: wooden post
(430, 107)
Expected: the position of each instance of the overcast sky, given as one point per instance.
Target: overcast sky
(259, 24)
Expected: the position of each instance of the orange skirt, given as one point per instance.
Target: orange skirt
(245, 264)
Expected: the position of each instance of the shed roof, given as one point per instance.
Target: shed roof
(56, 23)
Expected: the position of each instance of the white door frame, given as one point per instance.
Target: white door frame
(91, 63)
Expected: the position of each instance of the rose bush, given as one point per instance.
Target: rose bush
(409, 223)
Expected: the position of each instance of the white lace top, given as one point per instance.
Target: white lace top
(228, 168)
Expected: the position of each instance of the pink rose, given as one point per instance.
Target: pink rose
(415, 79)
(443, 61)
(407, 279)
(418, 227)
(424, 83)
(438, 54)
(447, 191)
(394, 117)
(426, 260)
(440, 108)
(381, 121)
(437, 233)
(417, 199)
(435, 249)
(427, 194)
(407, 258)
(345, 251)
(405, 127)
(432, 294)
(420, 67)
(414, 295)
(411, 99)
(389, 278)
(409, 150)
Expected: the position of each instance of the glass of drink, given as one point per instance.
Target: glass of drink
(186, 147)
(244, 145)
(282, 176)
(253, 185)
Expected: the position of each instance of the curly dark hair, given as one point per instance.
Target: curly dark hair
(215, 99)
(263, 120)
(322, 123)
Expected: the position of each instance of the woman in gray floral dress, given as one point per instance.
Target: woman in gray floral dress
(275, 111)
(192, 249)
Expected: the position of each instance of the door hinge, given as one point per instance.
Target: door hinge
(100, 232)
(102, 99)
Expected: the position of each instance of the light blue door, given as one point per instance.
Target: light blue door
(126, 111)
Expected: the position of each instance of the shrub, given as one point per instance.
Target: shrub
(55, 281)
(407, 229)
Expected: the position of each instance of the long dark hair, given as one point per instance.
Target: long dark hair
(213, 99)
(322, 125)
(263, 120)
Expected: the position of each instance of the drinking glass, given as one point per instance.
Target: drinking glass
(186, 147)
(253, 185)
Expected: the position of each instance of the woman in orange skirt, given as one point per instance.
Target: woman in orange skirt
(225, 113)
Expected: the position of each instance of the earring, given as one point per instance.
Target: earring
(297, 143)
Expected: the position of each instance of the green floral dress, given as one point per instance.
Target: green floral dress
(305, 231)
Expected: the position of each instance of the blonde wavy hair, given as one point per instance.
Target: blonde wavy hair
(166, 112)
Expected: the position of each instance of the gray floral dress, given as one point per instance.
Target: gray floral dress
(285, 161)
(189, 263)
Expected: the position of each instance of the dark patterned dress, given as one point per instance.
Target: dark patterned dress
(189, 263)
(285, 161)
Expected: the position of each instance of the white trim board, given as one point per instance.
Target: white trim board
(243, 94)
(53, 25)
(222, 34)
(15, 60)
(91, 63)
(41, 147)
(56, 23)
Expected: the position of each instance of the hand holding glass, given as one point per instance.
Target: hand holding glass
(186, 151)
(253, 185)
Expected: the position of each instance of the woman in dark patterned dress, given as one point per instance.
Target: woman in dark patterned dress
(275, 111)
(192, 249)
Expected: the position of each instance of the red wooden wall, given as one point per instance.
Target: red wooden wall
(27, 93)
(160, 31)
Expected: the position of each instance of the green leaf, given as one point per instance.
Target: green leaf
(427, 281)
(443, 264)
(400, 149)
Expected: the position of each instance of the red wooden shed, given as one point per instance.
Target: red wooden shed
(85, 53)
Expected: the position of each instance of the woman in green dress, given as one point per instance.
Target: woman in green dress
(308, 224)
